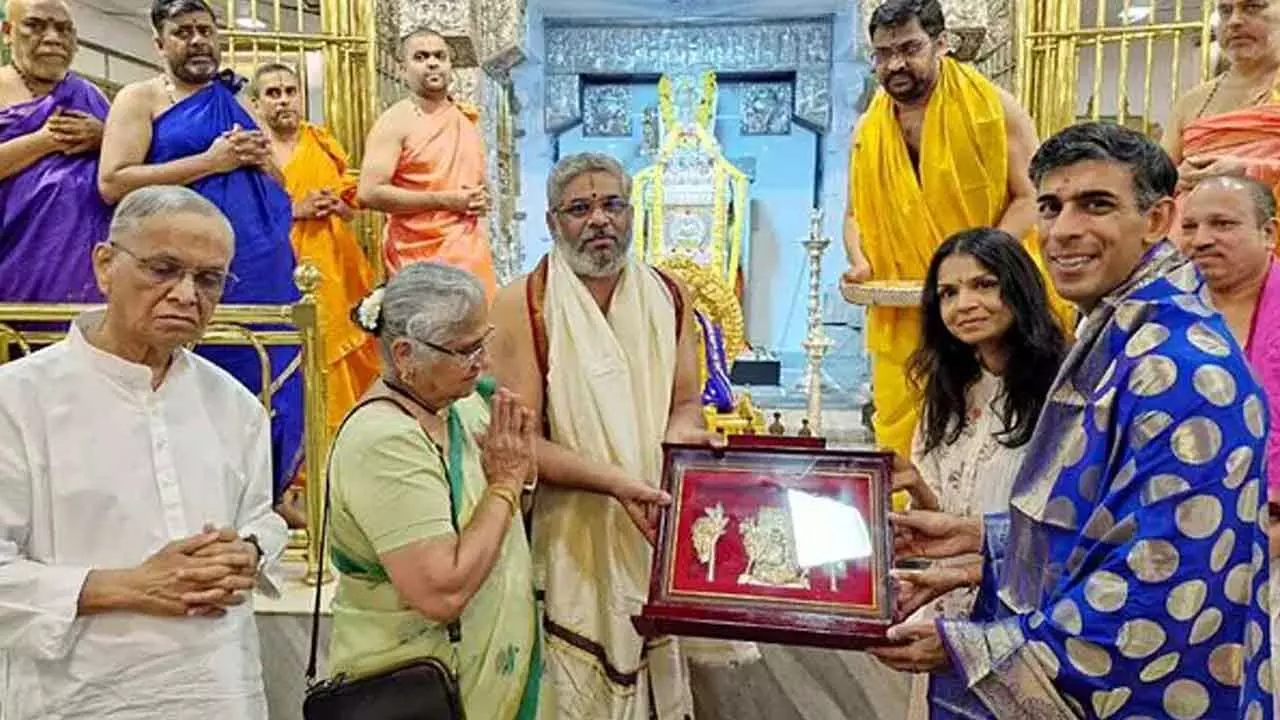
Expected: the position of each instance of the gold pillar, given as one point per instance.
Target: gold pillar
(343, 33)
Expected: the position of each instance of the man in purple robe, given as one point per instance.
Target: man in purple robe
(51, 123)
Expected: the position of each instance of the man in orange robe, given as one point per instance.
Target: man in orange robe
(424, 166)
(315, 168)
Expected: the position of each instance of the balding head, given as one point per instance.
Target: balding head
(1261, 196)
(1229, 230)
(426, 63)
(41, 37)
(164, 266)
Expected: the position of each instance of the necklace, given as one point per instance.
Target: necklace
(170, 90)
(28, 83)
(1258, 99)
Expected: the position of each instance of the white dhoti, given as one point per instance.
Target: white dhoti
(609, 386)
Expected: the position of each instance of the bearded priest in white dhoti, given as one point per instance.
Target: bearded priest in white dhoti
(603, 348)
(135, 492)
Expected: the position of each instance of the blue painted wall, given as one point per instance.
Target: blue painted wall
(782, 192)
(782, 195)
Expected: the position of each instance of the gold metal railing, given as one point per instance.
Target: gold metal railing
(1055, 38)
(232, 325)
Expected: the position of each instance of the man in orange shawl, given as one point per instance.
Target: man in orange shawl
(939, 150)
(1230, 125)
(315, 168)
(424, 166)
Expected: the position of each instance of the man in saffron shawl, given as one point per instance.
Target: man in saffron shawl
(1129, 577)
(188, 127)
(1231, 124)
(51, 215)
(424, 166)
(939, 150)
(315, 174)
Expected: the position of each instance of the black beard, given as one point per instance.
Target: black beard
(913, 94)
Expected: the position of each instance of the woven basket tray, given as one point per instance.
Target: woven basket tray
(884, 293)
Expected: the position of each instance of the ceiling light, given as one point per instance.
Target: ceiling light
(250, 23)
(1136, 13)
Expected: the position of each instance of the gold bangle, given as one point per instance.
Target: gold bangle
(506, 495)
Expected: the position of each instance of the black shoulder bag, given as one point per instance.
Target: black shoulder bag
(421, 689)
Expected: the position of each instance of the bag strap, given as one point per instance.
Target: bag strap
(455, 500)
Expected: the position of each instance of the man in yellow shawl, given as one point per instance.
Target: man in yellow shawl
(315, 173)
(939, 150)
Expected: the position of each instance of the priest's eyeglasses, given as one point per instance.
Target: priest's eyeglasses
(468, 356)
(580, 209)
(161, 270)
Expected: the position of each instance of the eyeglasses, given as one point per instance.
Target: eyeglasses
(468, 356)
(163, 271)
(909, 50)
(613, 206)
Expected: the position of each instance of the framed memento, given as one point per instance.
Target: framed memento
(780, 544)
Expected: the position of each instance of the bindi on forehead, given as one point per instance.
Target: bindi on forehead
(594, 185)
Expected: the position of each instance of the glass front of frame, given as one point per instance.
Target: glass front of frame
(775, 537)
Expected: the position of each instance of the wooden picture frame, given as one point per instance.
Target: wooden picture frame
(776, 544)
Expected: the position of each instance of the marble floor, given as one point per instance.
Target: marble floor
(787, 683)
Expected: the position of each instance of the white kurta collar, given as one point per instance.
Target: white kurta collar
(131, 375)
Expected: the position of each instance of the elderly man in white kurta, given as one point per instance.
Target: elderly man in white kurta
(135, 496)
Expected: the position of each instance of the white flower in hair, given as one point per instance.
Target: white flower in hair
(369, 313)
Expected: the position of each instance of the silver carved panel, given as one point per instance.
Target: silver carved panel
(447, 17)
(606, 110)
(802, 46)
(813, 98)
(450, 18)
(499, 30)
(766, 109)
(466, 85)
(739, 47)
(564, 106)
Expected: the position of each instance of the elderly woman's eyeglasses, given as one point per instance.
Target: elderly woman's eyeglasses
(612, 206)
(469, 356)
(164, 271)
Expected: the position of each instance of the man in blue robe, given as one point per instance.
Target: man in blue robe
(1129, 577)
(50, 128)
(189, 127)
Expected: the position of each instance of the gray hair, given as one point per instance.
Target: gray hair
(428, 302)
(571, 166)
(255, 87)
(161, 200)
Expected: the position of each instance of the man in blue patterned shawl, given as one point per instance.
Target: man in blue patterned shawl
(1129, 576)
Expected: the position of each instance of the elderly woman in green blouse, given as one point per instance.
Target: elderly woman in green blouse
(422, 443)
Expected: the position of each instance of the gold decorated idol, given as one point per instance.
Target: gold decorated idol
(707, 531)
(690, 220)
(771, 551)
